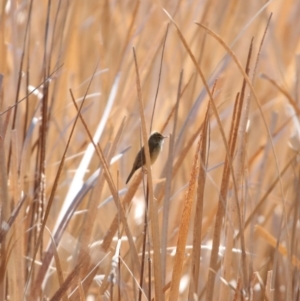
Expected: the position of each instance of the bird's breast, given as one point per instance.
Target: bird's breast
(155, 153)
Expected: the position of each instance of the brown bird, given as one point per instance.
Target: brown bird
(155, 142)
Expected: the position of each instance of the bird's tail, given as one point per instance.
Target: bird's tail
(130, 175)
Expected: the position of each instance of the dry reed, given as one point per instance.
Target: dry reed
(82, 84)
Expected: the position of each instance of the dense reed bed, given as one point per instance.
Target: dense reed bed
(83, 84)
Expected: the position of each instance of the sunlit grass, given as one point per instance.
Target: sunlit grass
(221, 201)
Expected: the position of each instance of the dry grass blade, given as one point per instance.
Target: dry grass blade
(203, 80)
(159, 76)
(39, 280)
(197, 231)
(4, 216)
(49, 205)
(6, 253)
(11, 219)
(271, 240)
(151, 201)
(260, 48)
(174, 107)
(68, 282)
(116, 198)
(241, 150)
(234, 212)
(231, 207)
(183, 229)
(3, 182)
(43, 133)
(14, 166)
(221, 41)
(144, 235)
(237, 295)
(81, 291)
(93, 204)
(292, 102)
(59, 270)
(214, 107)
(270, 189)
(106, 281)
(169, 166)
(269, 290)
(107, 239)
(16, 234)
(179, 162)
(15, 107)
(159, 190)
(88, 154)
(50, 77)
(5, 125)
(1, 82)
(222, 204)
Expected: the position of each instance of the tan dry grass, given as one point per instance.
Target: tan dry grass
(100, 245)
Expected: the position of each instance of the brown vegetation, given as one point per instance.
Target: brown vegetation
(83, 84)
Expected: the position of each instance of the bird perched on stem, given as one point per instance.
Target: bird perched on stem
(155, 142)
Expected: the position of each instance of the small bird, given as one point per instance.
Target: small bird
(155, 142)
